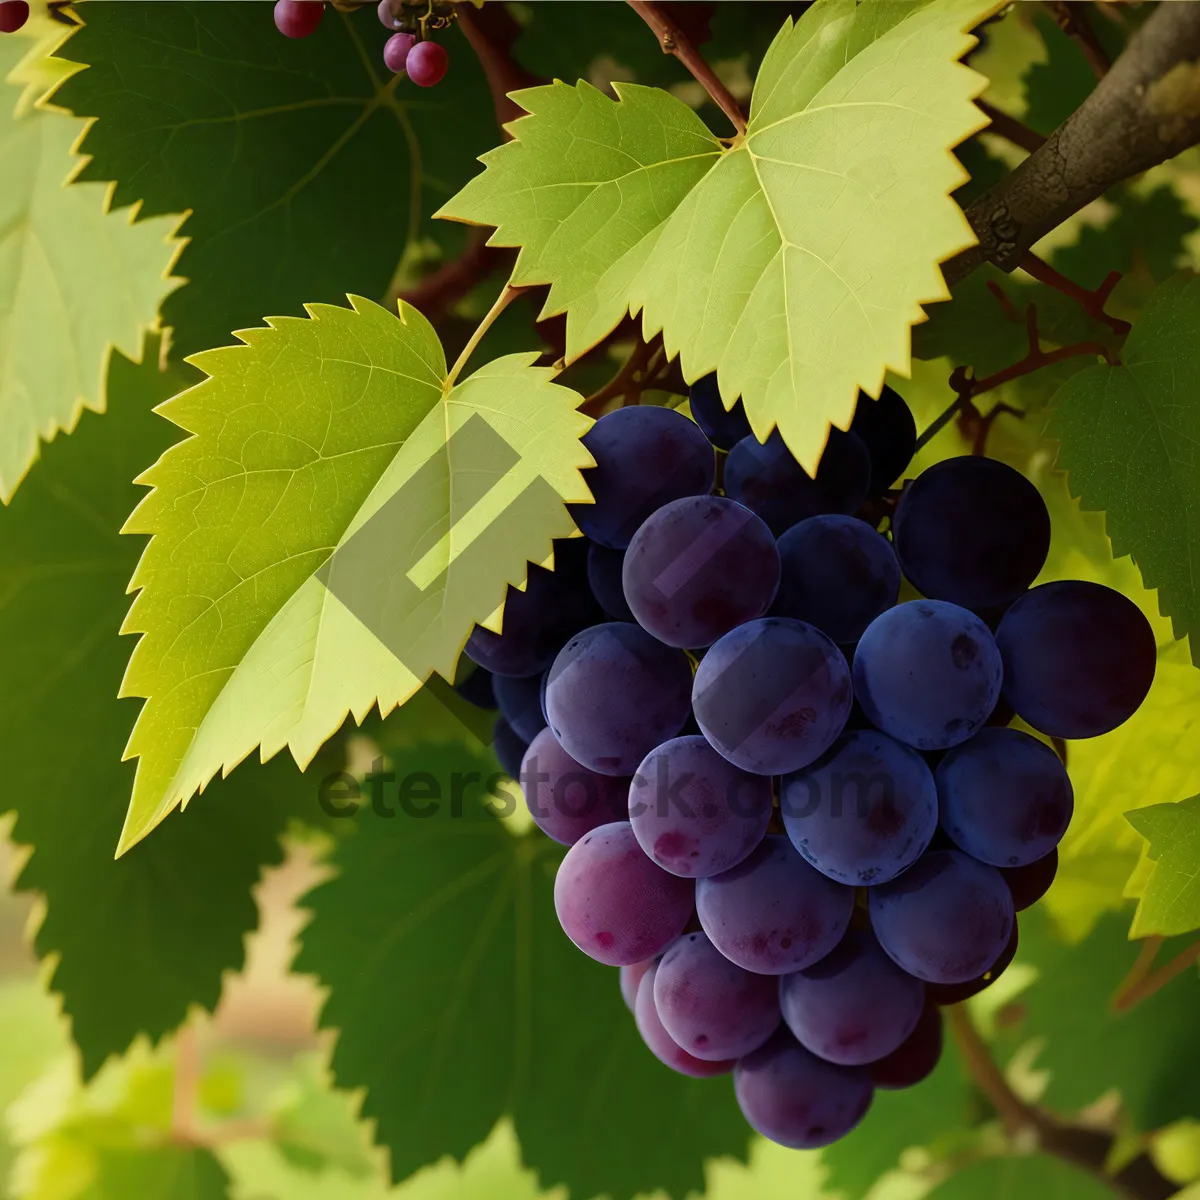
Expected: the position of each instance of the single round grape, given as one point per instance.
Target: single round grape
(1079, 658)
(889, 432)
(298, 18)
(710, 1006)
(855, 1005)
(630, 978)
(1005, 798)
(836, 573)
(724, 427)
(14, 14)
(645, 458)
(693, 812)
(477, 689)
(927, 673)
(565, 799)
(773, 913)
(396, 50)
(769, 481)
(772, 695)
(604, 568)
(956, 993)
(387, 18)
(537, 623)
(426, 63)
(614, 693)
(519, 701)
(796, 1099)
(864, 811)
(946, 919)
(697, 568)
(971, 530)
(1030, 883)
(915, 1058)
(659, 1041)
(509, 747)
(614, 903)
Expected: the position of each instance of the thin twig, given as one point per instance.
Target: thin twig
(1092, 302)
(1072, 20)
(1009, 128)
(1014, 1112)
(1129, 995)
(436, 294)
(506, 297)
(627, 382)
(187, 1085)
(673, 40)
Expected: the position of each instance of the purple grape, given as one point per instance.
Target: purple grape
(14, 14)
(519, 701)
(614, 693)
(426, 63)
(796, 1099)
(711, 1007)
(645, 458)
(614, 903)
(855, 1005)
(836, 573)
(773, 913)
(509, 747)
(1005, 798)
(915, 1058)
(387, 18)
(1079, 658)
(659, 1041)
(956, 993)
(396, 50)
(1030, 883)
(693, 812)
(477, 689)
(769, 481)
(631, 977)
(889, 432)
(724, 427)
(567, 800)
(697, 568)
(972, 531)
(863, 812)
(604, 577)
(946, 919)
(772, 695)
(927, 673)
(298, 18)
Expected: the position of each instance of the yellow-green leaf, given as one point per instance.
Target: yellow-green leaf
(1169, 895)
(328, 536)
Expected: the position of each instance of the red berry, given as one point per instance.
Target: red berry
(427, 63)
(395, 51)
(13, 14)
(387, 18)
(298, 18)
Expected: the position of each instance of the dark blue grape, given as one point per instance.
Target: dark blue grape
(604, 576)
(927, 673)
(509, 747)
(956, 993)
(769, 481)
(1079, 658)
(565, 799)
(519, 700)
(889, 432)
(724, 427)
(698, 567)
(645, 458)
(478, 689)
(659, 1042)
(1005, 797)
(1030, 883)
(972, 531)
(836, 573)
(864, 811)
(772, 695)
(915, 1058)
(946, 919)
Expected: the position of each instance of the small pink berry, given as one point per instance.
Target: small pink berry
(387, 18)
(395, 51)
(13, 14)
(427, 63)
(298, 18)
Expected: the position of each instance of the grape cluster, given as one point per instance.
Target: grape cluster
(799, 820)
(409, 49)
(13, 15)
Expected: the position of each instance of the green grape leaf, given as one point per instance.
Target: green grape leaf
(1169, 898)
(1034, 1175)
(340, 519)
(1128, 436)
(77, 278)
(777, 261)
(138, 941)
(306, 167)
(1151, 1054)
(459, 999)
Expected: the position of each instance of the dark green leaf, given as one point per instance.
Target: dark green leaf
(1054, 89)
(1036, 1176)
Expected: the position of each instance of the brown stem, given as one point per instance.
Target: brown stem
(1072, 20)
(1133, 993)
(1092, 302)
(1009, 128)
(439, 292)
(981, 1067)
(491, 31)
(187, 1086)
(626, 382)
(976, 426)
(674, 40)
(1140, 114)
